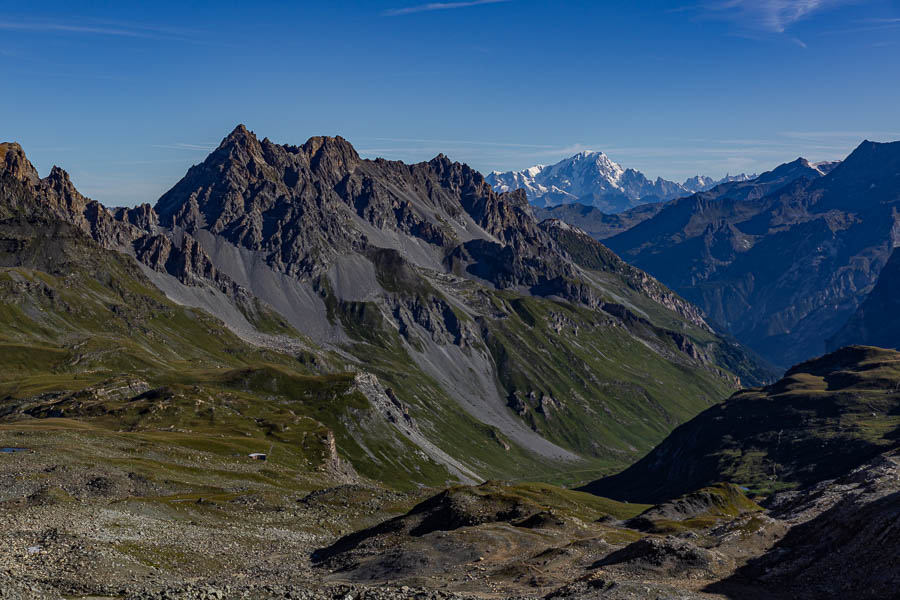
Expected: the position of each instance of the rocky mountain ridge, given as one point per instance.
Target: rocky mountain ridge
(597, 223)
(783, 261)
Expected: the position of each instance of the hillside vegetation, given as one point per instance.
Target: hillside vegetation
(823, 418)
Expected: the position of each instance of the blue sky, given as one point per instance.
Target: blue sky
(126, 96)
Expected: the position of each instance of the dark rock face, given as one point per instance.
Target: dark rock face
(782, 261)
(59, 196)
(301, 205)
(31, 236)
(132, 229)
(265, 197)
(668, 557)
(875, 322)
(586, 253)
(187, 261)
(843, 542)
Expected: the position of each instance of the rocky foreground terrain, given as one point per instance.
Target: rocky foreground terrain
(81, 530)
(89, 512)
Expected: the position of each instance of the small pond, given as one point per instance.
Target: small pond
(10, 450)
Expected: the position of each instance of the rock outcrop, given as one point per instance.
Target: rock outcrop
(875, 322)
(843, 541)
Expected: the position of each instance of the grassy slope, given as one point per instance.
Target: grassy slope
(618, 395)
(708, 506)
(624, 281)
(95, 324)
(581, 505)
(380, 348)
(823, 418)
(614, 396)
(77, 322)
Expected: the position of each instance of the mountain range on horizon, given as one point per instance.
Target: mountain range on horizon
(638, 234)
(592, 178)
(768, 259)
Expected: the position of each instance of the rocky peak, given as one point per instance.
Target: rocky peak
(56, 190)
(699, 183)
(295, 203)
(791, 171)
(61, 189)
(238, 146)
(14, 162)
(870, 176)
(301, 207)
(319, 145)
(57, 194)
(277, 199)
(323, 154)
(506, 216)
(460, 178)
(331, 157)
(239, 136)
(142, 216)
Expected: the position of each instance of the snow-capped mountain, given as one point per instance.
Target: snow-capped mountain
(699, 183)
(592, 178)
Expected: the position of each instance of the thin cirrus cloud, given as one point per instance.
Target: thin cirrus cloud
(395, 12)
(770, 16)
(101, 28)
(188, 147)
(867, 25)
(881, 21)
(66, 28)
